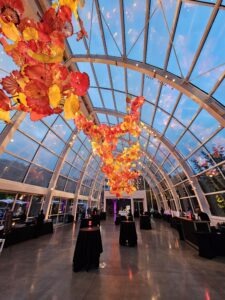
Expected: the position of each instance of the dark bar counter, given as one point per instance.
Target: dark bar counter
(191, 227)
(23, 232)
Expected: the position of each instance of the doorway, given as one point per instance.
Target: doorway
(138, 207)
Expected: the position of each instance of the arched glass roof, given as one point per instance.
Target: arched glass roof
(172, 53)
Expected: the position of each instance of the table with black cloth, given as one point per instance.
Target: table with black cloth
(128, 234)
(145, 222)
(88, 249)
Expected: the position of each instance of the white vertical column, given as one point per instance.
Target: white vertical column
(132, 205)
(104, 206)
(145, 206)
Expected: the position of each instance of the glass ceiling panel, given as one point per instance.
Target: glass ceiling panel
(219, 94)
(210, 64)
(82, 136)
(147, 113)
(200, 161)
(173, 160)
(191, 25)
(92, 27)
(108, 99)
(110, 12)
(163, 149)
(112, 120)
(134, 82)
(53, 143)
(204, 125)
(159, 157)
(168, 98)
(118, 77)
(158, 37)
(102, 118)
(174, 131)
(95, 97)
(76, 47)
(60, 127)
(143, 142)
(6, 63)
(121, 104)
(46, 159)
(76, 145)
(186, 110)
(134, 19)
(160, 120)
(37, 130)
(187, 144)
(22, 146)
(154, 140)
(49, 120)
(102, 75)
(70, 156)
(216, 146)
(151, 149)
(144, 133)
(151, 89)
(65, 169)
(167, 167)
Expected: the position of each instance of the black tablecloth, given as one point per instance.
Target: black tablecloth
(128, 235)
(88, 249)
(145, 222)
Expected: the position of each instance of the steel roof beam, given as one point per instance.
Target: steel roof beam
(202, 98)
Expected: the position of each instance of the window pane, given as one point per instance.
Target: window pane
(65, 169)
(186, 110)
(12, 168)
(61, 128)
(71, 186)
(161, 120)
(38, 176)
(217, 204)
(22, 146)
(45, 159)
(61, 182)
(174, 131)
(147, 112)
(204, 125)
(52, 142)
(37, 130)
(35, 206)
(187, 144)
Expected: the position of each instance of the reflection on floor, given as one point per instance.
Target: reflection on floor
(160, 267)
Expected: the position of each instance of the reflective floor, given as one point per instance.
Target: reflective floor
(160, 267)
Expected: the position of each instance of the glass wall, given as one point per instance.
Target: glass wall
(61, 210)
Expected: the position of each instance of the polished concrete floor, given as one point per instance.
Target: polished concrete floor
(160, 267)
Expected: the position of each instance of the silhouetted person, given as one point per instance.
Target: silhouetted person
(40, 222)
(202, 215)
(23, 217)
(162, 211)
(41, 217)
